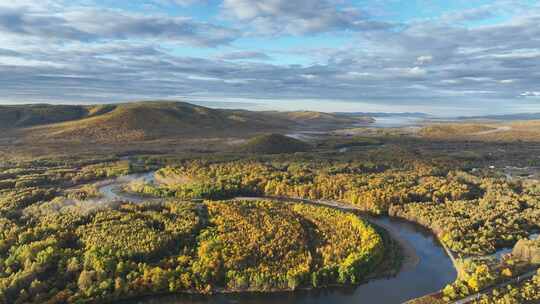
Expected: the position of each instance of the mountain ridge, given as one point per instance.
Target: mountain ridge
(149, 120)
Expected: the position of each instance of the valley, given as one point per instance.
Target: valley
(269, 152)
(196, 206)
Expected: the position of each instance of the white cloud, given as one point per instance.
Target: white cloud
(93, 24)
(474, 14)
(417, 71)
(308, 76)
(353, 75)
(531, 94)
(71, 52)
(408, 72)
(180, 2)
(424, 59)
(243, 55)
(517, 54)
(299, 17)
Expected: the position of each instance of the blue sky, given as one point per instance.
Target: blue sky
(442, 57)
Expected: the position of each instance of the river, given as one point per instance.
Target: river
(433, 269)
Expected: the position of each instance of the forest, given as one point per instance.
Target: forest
(471, 214)
(219, 226)
(180, 246)
(54, 249)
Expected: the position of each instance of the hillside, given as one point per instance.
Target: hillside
(504, 117)
(153, 120)
(310, 118)
(503, 132)
(21, 116)
(274, 144)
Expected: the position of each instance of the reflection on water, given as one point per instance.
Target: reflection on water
(432, 273)
(396, 122)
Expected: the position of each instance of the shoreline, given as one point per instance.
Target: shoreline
(410, 259)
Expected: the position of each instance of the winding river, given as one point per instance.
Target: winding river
(430, 270)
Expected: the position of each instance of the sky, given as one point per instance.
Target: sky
(459, 57)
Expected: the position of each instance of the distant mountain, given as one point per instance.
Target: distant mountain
(505, 117)
(310, 118)
(508, 131)
(153, 120)
(384, 114)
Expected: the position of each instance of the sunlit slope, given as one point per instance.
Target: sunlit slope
(507, 132)
(21, 116)
(151, 120)
(155, 120)
(323, 119)
(274, 144)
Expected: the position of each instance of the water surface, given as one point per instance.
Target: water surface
(397, 121)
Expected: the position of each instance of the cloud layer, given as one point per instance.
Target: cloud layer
(55, 51)
(300, 16)
(87, 24)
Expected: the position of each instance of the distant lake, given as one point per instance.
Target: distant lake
(397, 121)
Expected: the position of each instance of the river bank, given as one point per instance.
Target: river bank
(426, 267)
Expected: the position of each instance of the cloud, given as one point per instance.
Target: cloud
(91, 24)
(531, 94)
(24, 23)
(274, 17)
(179, 2)
(72, 53)
(243, 55)
(424, 59)
(474, 14)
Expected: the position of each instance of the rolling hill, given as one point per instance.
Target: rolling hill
(501, 132)
(323, 120)
(152, 120)
(40, 114)
(504, 117)
(274, 144)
